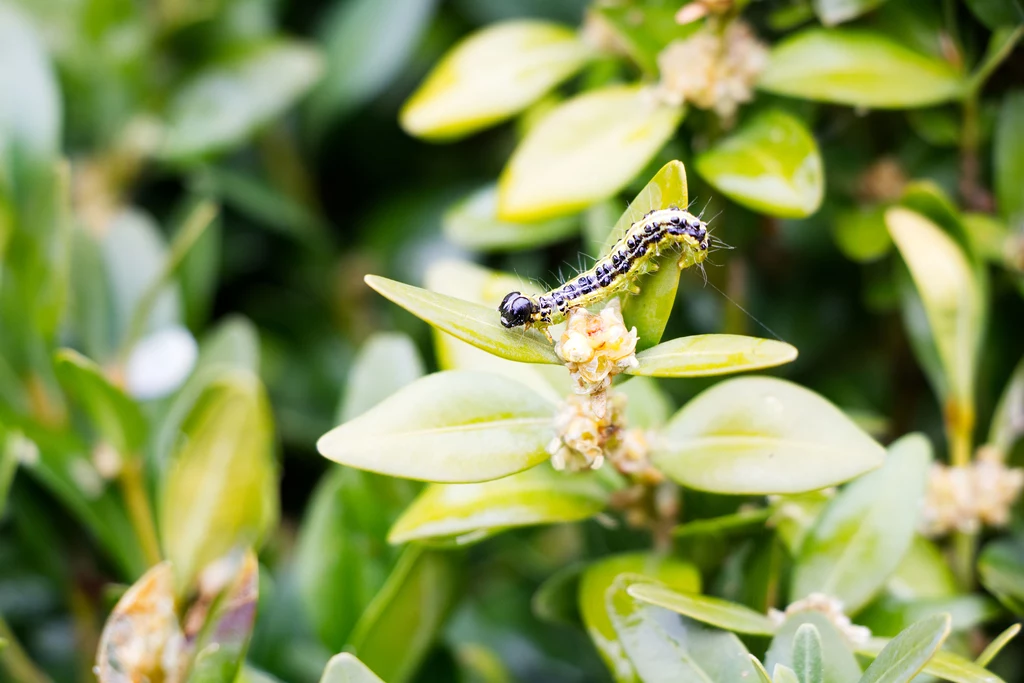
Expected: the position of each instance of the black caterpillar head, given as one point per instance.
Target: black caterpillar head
(516, 309)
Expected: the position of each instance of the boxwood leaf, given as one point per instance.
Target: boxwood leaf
(770, 164)
(783, 674)
(996, 13)
(366, 44)
(454, 427)
(1008, 155)
(227, 101)
(860, 68)
(342, 557)
(649, 310)
(951, 296)
(839, 664)
(1001, 570)
(399, 626)
(666, 648)
(707, 609)
(996, 646)
(585, 150)
(470, 322)
(220, 489)
(598, 578)
(386, 362)
(491, 75)
(863, 533)
(906, 654)
(946, 666)
(537, 496)
(1007, 426)
(807, 664)
(763, 435)
(345, 668)
(473, 223)
(832, 12)
(705, 355)
(118, 418)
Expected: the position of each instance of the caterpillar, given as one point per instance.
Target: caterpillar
(629, 258)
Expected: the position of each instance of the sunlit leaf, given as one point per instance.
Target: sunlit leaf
(220, 487)
(118, 418)
(1008, 154)
(399, 626)
(907, 653)
(594, 585)
(705, 608)
(887, 616)
(770, 164)
(472, 323)
(646, 29)
(228, 101)
(587, 149)
(859, 68)
(861, 234)
(468, 511)
(840, 666)
(783, 674)
(666, 648)
(455, 427)
(649, 311)
(945, 666)
(491, 75)
(864, 531)
(473, 223)
(832, 12)
(712, 354)
(951, 296)
(345, 668)
(763, 435)
(366, 44)
(807, 664)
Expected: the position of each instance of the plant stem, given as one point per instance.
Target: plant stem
(964, 545)
(134, 491)
(15, 661)
(973, 194)
(959, 426)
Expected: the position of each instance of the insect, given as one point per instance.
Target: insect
(629, 258)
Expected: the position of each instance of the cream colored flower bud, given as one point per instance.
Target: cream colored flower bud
(832, 608)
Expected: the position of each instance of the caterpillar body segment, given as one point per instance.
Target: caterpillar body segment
(630, 257)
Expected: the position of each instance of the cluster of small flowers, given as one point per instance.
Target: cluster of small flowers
(596, 347)
(965, 498)
(832, 608)
(583, 435)
(713, 69)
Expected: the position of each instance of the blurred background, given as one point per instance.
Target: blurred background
(235, 167)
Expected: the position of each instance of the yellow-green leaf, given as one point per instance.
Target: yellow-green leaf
(719, 613)
(118, 418)
(453, 427)
(860, 68)
(467, 512)
(491, 75)
(399, 626)
(345, 668)
(585, 150)
(473, 223)
(220, 487)
(770, 164)
(763, 435)
(945, 666)
(705, 355)
(470, 322)
(951, 296)
(864, 532)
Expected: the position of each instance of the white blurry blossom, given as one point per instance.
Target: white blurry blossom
(160, 363)
(713, 69)
(967, 498)
(832, 608)
(595, 347)
(583, 432)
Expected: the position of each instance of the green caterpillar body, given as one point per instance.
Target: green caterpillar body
(629, 258)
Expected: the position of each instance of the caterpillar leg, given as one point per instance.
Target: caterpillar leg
(543, 328)
(633, 288)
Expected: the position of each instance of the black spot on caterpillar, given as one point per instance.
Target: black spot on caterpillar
(629, 258)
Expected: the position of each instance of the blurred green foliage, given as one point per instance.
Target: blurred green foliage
(192, 191)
